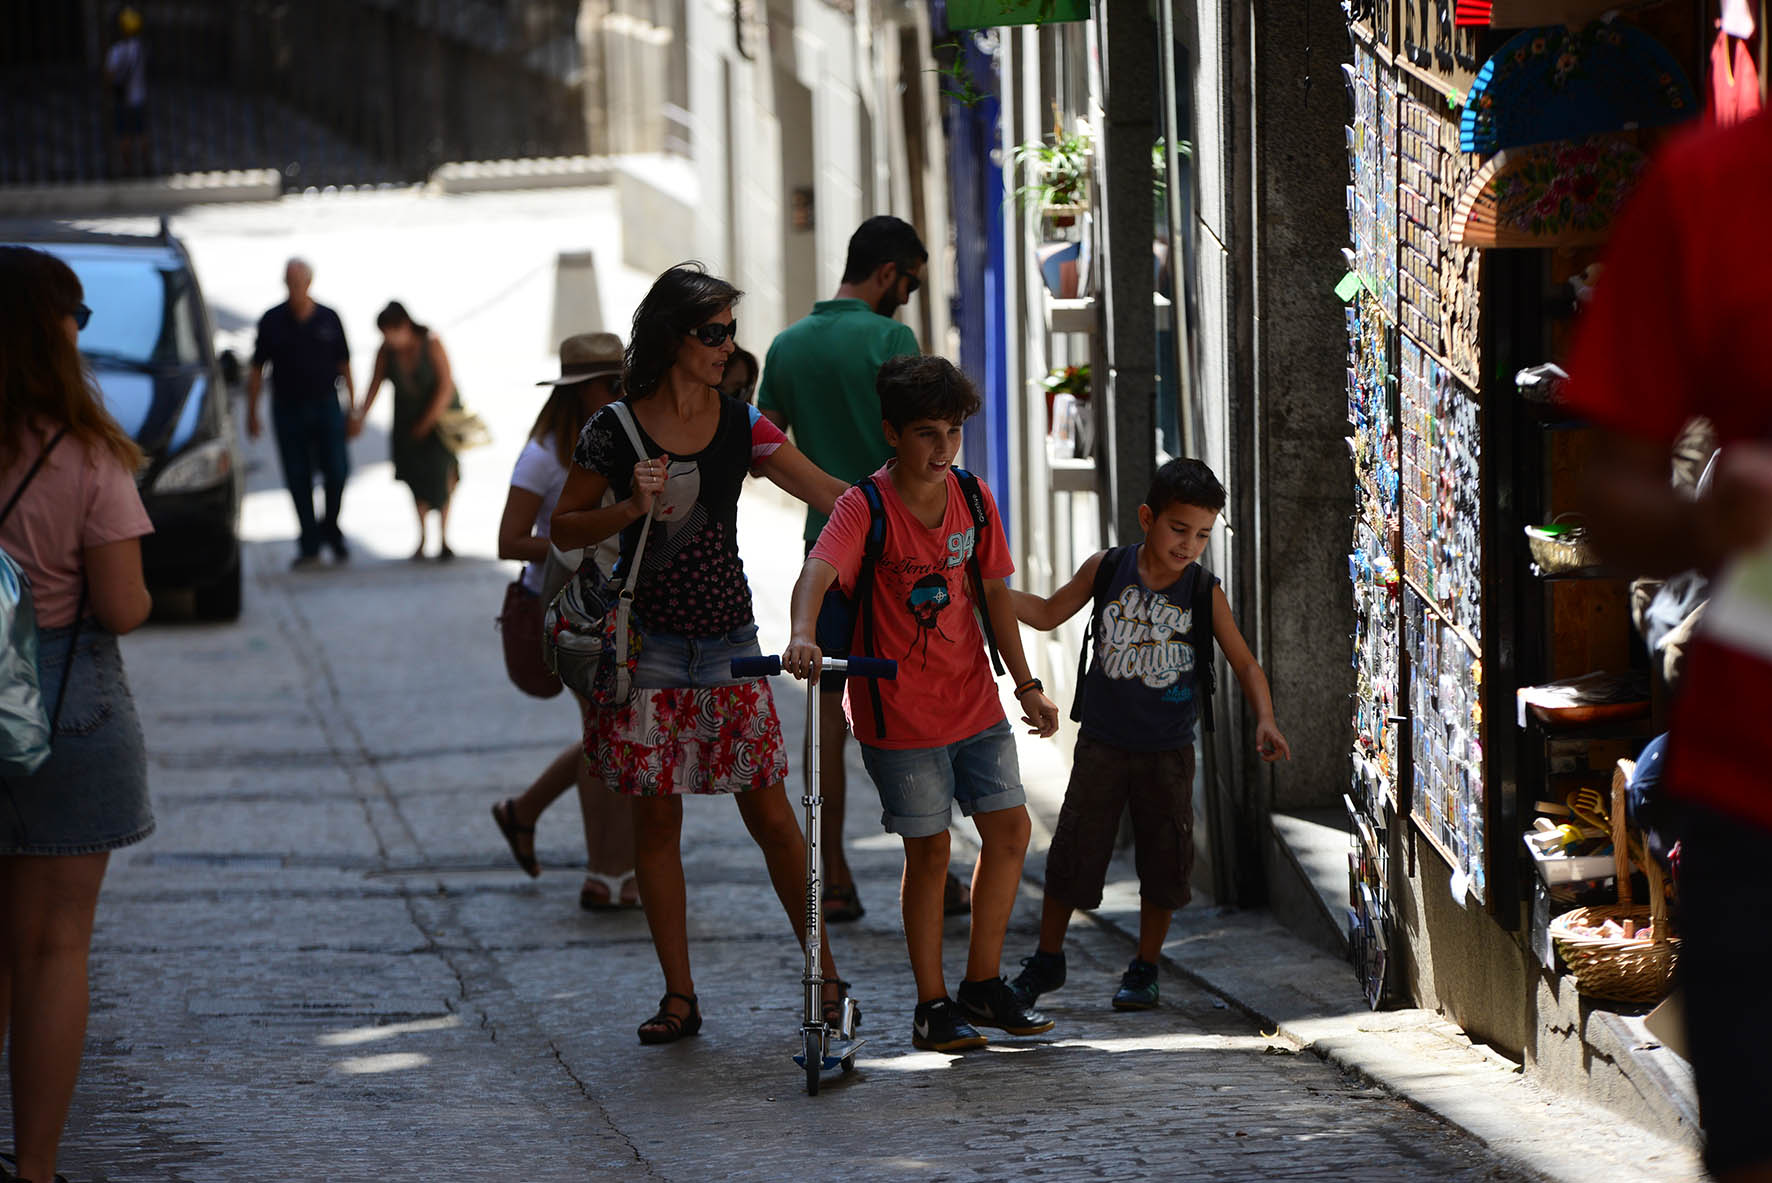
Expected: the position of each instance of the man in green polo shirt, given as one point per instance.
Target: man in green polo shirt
(818, 380)
(818, 383)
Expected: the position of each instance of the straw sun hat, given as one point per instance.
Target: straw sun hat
(584, 356)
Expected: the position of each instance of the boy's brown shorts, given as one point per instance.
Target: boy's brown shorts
(1160, 788)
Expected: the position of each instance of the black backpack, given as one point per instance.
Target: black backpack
(1199, 636)
(840, 619)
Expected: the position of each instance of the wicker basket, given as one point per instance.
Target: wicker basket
(1559, 554)
(1610, 967)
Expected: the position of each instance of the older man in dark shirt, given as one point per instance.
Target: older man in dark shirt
(304, 344)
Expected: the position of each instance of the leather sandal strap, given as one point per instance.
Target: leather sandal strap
(672, 1023)
(508, 818)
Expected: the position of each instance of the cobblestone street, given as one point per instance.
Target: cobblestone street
(324, 965)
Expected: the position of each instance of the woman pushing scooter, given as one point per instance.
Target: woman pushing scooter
(689, 726)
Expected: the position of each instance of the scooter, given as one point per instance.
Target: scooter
(824, 1047)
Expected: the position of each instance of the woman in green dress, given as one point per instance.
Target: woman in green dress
(412, 358)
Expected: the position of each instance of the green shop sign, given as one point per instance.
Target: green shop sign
(985, 14)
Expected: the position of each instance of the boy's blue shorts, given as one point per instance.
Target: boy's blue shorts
(919, 786)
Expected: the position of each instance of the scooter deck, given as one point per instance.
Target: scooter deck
(836, 1052)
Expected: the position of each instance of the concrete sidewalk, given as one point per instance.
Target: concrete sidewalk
(1252, 962)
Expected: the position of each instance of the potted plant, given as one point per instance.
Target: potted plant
(1071, 380)
(1068, 431)
(1058, 173)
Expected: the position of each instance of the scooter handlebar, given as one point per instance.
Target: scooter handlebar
(870, 667)
(853, 667)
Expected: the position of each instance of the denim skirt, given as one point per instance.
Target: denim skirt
(91, 794)
(690, 726)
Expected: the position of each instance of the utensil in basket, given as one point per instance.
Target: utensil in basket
(1624, 970)
(1590, 809)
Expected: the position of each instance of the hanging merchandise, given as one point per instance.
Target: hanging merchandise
(1734, 94)
(1547, 195)
(1520, 14)
(1555, 83)
(1372, 158)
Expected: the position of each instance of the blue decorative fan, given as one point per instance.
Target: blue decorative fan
(1557, 83)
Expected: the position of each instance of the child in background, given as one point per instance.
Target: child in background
(1137, 704)
(937, 734)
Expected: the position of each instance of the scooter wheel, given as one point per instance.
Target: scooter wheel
(814, 1053)
(848, 1064)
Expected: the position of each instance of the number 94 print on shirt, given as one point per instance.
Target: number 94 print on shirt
(924, 615)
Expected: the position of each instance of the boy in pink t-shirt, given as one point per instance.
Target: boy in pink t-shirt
(945, 738)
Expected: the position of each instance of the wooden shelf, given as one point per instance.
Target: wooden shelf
(1458, 630)
(1583, 576)
(1070, 316)
(1441, 359)
(1073, 475)
(1641, 727)
(1432, 840)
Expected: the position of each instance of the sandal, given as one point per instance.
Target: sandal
(665, 1027)
(842, 904)
(505, 814)
(956, 898)
(608, 893)
(832, 1008)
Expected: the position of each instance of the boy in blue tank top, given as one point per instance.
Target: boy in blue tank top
(1138, 695)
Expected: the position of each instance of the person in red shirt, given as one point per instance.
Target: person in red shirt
(1678, 328)
(945, 739)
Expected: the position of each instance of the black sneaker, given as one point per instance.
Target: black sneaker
(939, 1026)
(994, 1004)
(1138, 987)
(1040, 974)
(341, 551)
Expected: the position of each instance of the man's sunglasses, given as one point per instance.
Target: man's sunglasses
(82, 314)
(912, 282)
(714, 334)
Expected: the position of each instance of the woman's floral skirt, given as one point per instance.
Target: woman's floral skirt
(714, 739)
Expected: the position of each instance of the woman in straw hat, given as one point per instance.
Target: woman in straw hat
(590, 374)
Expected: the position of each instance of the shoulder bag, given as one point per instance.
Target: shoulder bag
(27, 730)
(587, 634)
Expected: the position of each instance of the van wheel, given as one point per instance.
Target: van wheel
(220, 600)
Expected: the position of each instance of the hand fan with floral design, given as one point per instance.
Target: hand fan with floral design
(1556, 83)
(1563, 194)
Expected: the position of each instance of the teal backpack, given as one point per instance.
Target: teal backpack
(26, 729)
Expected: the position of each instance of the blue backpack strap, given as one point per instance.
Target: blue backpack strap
(1104, 576)
(981, 521)
(1200, 636)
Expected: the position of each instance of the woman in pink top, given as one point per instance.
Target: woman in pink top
(74, 526)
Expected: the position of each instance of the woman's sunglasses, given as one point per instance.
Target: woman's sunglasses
(714, 334)
(82, 314)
